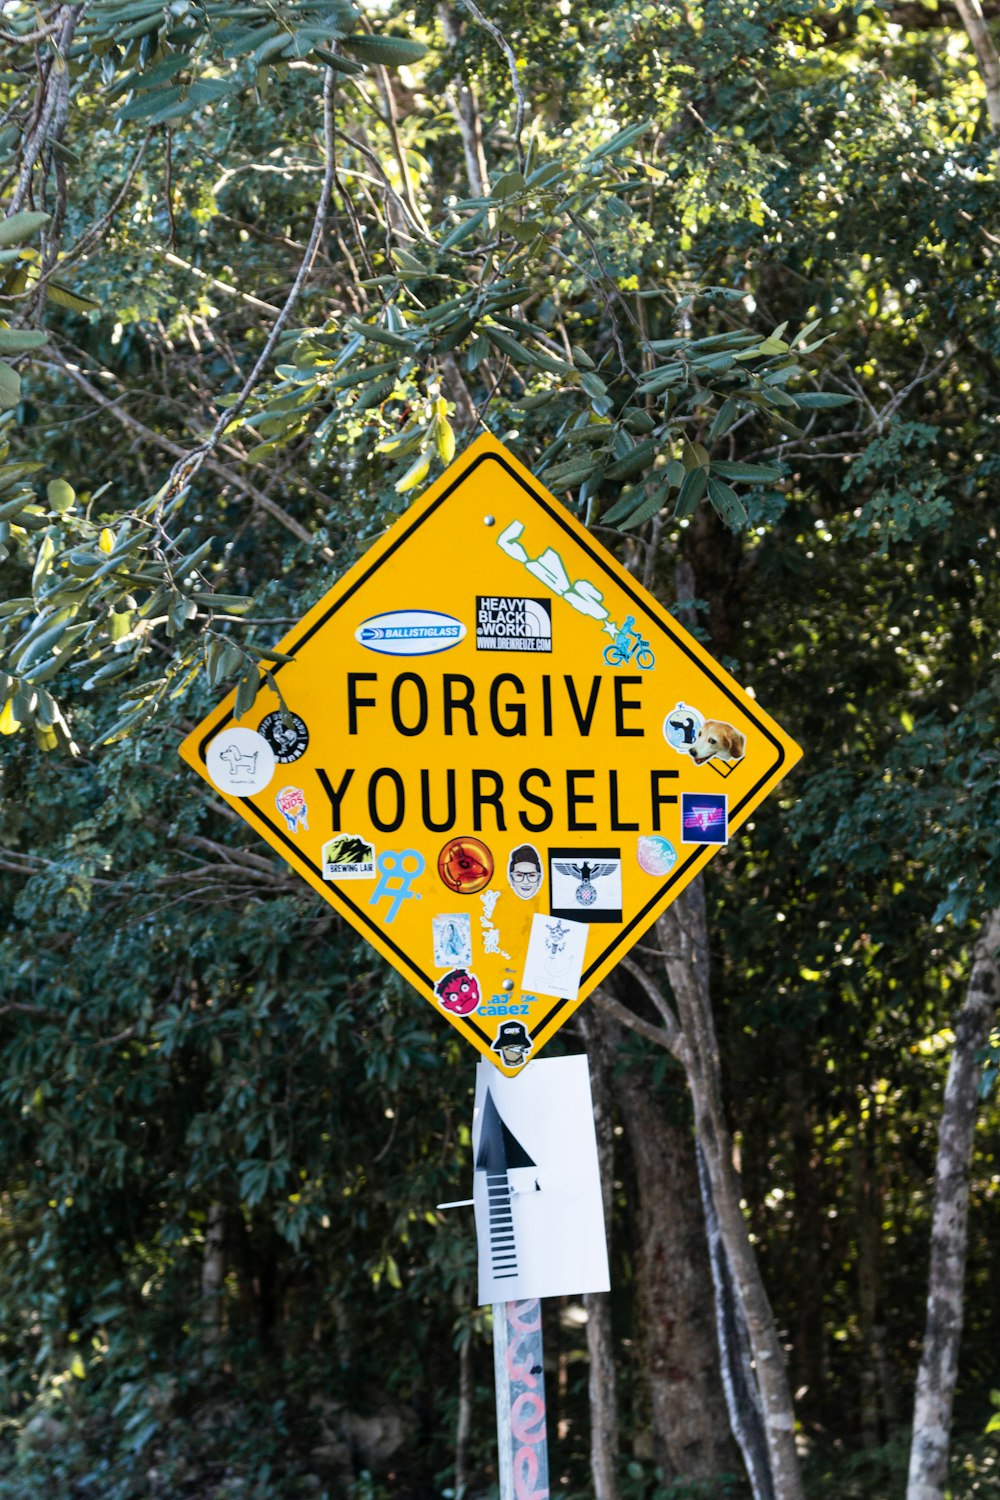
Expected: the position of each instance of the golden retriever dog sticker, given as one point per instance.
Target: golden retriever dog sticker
(718, 741)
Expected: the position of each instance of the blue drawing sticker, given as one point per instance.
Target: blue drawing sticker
(629, 647)
(397, 870)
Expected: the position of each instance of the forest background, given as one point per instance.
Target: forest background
(724, 275)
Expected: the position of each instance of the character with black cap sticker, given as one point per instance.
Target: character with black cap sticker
(513, 1043)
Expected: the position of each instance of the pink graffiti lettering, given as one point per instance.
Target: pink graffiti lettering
(521, 1372)
(525, 1475)
(518, 1314)
(527, 1418)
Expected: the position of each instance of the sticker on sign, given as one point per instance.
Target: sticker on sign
(410, 632)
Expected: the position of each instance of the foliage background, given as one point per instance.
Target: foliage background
(195, 1052)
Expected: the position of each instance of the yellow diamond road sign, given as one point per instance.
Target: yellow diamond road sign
(502, 758)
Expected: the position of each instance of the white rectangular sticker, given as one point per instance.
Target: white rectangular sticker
(555, 957)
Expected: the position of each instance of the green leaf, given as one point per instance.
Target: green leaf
(620, 141)
(387, 51)
(375, 393)
(593, 385)
(749, 473)
(816, 400)
(724, 419)
(507, 185)
(20, 340)
(690, 494)
(75, 301)
(623, 506)
(10, 387)
(338, 63)
(642, 454)
(415, 473)
(21, 226)
(60, 494)
(230, 604)
(463, 230)
(728, 504)
(650, 507)
(246, 692)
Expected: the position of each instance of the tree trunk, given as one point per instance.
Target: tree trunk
(943, 1329)
(602, 1385)
(674, 1289)
(463, 1426)
(684, 940)
(213, 1274)
(974, 22)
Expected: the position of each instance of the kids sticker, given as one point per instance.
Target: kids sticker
(291, 803)
(656, 855)
(465, 865)
(524, 871)
(458, 992)
(348, 857)
(704, 818)
(240, 761)
(586, 884)
(452, 939)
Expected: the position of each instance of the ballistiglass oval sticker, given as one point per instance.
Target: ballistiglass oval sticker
(410, 632)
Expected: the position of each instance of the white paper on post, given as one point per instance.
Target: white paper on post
(537, 1183)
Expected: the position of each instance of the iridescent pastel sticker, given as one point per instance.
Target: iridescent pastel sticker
(656, 855)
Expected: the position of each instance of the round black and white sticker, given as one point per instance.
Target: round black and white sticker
(287, 736)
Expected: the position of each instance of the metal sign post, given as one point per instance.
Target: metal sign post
(522, 1439)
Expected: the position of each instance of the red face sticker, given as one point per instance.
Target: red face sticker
(458, 992)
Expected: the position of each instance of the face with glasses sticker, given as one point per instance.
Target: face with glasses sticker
(524, 872)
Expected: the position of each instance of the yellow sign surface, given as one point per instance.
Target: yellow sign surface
(502, 758)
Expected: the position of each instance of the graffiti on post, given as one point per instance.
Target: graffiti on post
(525, 1440)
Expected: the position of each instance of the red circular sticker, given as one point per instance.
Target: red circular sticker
(465, 865)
